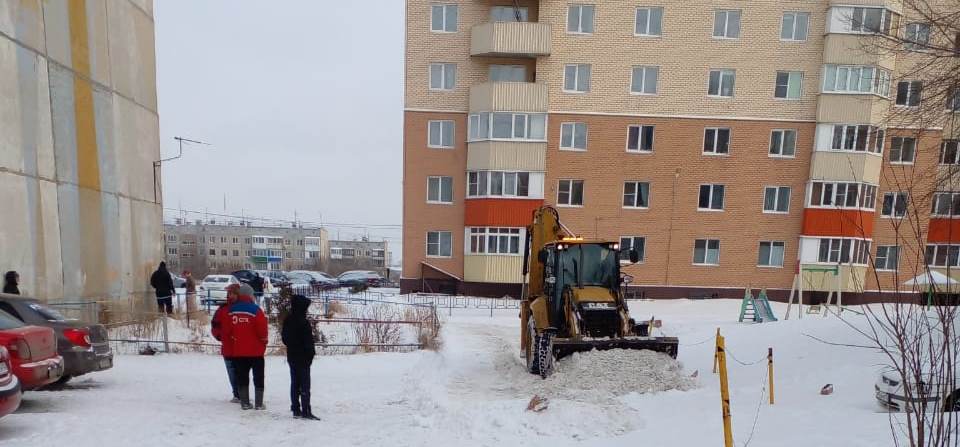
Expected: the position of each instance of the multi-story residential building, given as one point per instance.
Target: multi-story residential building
(79, 148)
(205, 247)
(730, 143)
(363, 253)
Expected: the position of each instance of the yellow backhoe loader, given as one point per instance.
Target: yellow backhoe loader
(573, 298)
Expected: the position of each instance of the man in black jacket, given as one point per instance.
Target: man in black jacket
(162, 282)
(297, 335)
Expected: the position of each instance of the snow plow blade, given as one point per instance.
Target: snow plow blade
(565, 347)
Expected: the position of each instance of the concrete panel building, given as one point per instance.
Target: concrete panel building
(79, 134)
(731, 143)
(359, 254)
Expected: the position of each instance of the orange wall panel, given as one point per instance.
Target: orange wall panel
(944, 231)
(837, 222)
(500, 212)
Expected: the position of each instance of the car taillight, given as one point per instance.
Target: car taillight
(79, 337)
(4, 362)
(19, 349)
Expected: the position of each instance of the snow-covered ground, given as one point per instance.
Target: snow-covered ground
(474, 392)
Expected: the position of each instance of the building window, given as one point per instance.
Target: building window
(711, 198)
(916, 36)
(949, 152)
(498, 184)
(643, 80)
(843, 195)
(502, 241)
(636, 194)
(859, 138)
(172, 251)
(443, 76)
(953, 95)
(249, 253)
(843, 251)
(223, 240)
(440, 134)
(508, 14)
(439, 189)
(187, 255)
(171, 238)
(213, 252)
(856, 79)
(640, 138)
(943, 255)
(236, 253)
(888, 257)
(223, 252)
(903, 150)
(507, 73)
(722, 82)
(235, 240)
(508, 126)
(946, 204)
(716, 140)
(894, 204)
(628, 243)
(776, 199)
(212, 240)
(726, 24)
(908, 93)
(570, 193)
(580, 19)
(783, 143)
(439, 244)
(443, 18)
(576, 78)
(573, 136)
(788, 85)
(770, 254)
(649, 21)
(706, 252)
(848, 19)
(793, 27)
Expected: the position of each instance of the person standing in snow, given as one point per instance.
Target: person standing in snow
(246, 331)
(162, 283)
(11, 281)
(191, 288)
(257, 284)
(220, 319)
(297, 335)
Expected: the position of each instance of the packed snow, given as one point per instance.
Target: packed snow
(474, 391)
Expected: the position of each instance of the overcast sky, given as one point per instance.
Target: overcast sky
(301, 101)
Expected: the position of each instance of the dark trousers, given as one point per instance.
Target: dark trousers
(165, 305)
(299, 386)
(231, 375)
(243, 365)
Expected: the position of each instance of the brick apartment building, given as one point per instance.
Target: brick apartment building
(207, 247)
(729, 142)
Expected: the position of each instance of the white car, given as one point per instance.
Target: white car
(891, 393)
(213, 287)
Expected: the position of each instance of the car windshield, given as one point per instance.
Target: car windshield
(47, 313)
(588, 265)
(8, 321)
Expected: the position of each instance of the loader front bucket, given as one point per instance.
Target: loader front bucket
(563, 347)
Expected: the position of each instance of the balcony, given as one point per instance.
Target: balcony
(508, 97)
(493, 268)
(852, 279)
(864, 108)
(510, 39)
(846, 166)
(857, 49)
(506, 156)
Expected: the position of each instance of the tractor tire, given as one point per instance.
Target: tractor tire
(539, 352)
(533, 365)
(952, 401)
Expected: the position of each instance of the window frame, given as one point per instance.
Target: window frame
(573, 126)
(706, 252)
(656, 84)
(440, 189)
(444, 6)
(570, 192)
(896, 200)
(912, 94)
(476, 119)
(486, 177)
(439, 244)
(875, 134)
(593, 19)
(856, 252)
(776, 199)
(710, 201)
(636, 21)
(930, 259)
(481, 237)
(721, 72)
(789, 74)
(865, 191)
(576, 79)
(772, 244)
(726, 23)
(916, 45)
(625, 250)
(443, 77)
(886, 258)
(636, 195)
(640, 139)
(525, 14)
(716, 141)
(902, 140)
(780, 147)
(793, 33)
(943, 151)
(880, 80)
(441, 123)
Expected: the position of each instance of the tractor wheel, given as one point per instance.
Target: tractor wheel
(544, 352)
(952, 402)
(530, 350)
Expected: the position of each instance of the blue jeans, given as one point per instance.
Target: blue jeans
(232, 375)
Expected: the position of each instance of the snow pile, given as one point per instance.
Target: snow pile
(616, 372)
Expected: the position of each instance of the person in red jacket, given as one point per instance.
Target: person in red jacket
(246, 331)
(220, 319)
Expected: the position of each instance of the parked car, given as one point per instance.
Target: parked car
(33, 352)
(318, 280)
(355, 278)
(9, 385)
(83, 346)
(278, 278)
(890, 391)
(213, 288)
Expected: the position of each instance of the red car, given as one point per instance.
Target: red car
(9, 385)
(33, 352)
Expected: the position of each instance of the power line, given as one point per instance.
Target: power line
(287, 221)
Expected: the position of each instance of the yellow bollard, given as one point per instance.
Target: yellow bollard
(724, 393)
(770, 371)
(715, 357)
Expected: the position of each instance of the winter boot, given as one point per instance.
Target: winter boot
(244, 392)
(258, 399)
(296, 411)
(306, 412)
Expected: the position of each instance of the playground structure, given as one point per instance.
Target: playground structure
(756, 309)
(797, 288)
